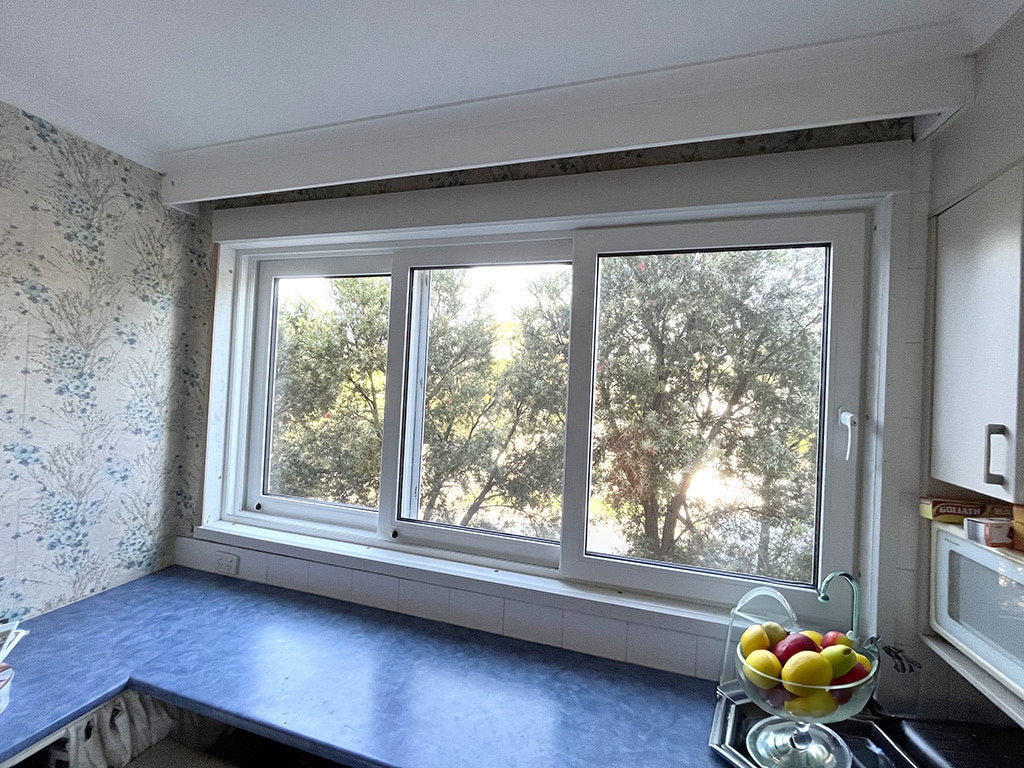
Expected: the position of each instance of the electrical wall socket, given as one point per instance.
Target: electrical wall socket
(227, 563)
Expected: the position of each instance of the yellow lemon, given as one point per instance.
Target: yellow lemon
(816, 705)
(754, 638)
(762, 665)
(804, 669)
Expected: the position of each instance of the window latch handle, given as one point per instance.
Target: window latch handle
(849, 420)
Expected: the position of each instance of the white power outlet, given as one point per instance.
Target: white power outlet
(227, 563)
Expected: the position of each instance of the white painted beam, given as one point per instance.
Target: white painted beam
(753, 184)
(559, 124)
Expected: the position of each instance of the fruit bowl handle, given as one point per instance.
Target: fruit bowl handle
(767, 592)
(786, 616)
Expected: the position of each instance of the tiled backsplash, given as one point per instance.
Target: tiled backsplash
(572, 628)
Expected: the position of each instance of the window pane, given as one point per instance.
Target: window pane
(327, 404)
(491, 397)
(706, 409)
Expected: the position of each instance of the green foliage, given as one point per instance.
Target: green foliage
(711, 362)
(708, 366)
(493, 433)
(328, 399)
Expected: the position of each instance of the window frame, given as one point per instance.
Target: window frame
(399, 422)
(846, 302)
(568, 559)
(264, 270)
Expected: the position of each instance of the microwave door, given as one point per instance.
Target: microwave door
(979, 606)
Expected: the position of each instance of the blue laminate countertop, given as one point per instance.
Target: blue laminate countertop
(362, 686)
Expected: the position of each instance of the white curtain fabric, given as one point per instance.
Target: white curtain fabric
(120, 730)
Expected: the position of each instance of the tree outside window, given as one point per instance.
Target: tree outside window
(707, 390)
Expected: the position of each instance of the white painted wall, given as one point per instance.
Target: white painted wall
(989, 136)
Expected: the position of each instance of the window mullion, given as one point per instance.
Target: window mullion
(418, 330)
(395, 394)
(576, 482)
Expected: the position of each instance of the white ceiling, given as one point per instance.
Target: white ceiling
(157, 80)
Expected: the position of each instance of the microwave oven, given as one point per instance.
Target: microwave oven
(978, 603)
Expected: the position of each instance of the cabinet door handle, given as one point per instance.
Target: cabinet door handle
(992, 478)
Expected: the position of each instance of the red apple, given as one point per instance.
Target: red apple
(777, 696)
(843, 695)
(791, 645)
(859, 672)
(835, 637)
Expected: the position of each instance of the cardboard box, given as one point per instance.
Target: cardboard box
(950, 510)
(990, 531)
(999, 510)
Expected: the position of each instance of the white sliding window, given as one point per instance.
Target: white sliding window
(708, 450)
(654, 408)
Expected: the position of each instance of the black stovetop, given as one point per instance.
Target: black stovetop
(879, 740)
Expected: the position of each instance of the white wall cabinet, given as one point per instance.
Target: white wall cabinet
(978, 408)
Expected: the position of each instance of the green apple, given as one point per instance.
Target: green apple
(841, 657)
(775, 632)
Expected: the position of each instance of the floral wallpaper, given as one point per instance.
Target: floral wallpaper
(105, 297)
(105, 304)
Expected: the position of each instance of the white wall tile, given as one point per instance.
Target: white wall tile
(477, 611)
(710, 652)
(375, 589)
(252, 565)
(289, 572)
(192, 553)
(428, 601)
(330, 581)
(202, 555)
(661, 648)
(595, 635)
(536, 623)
